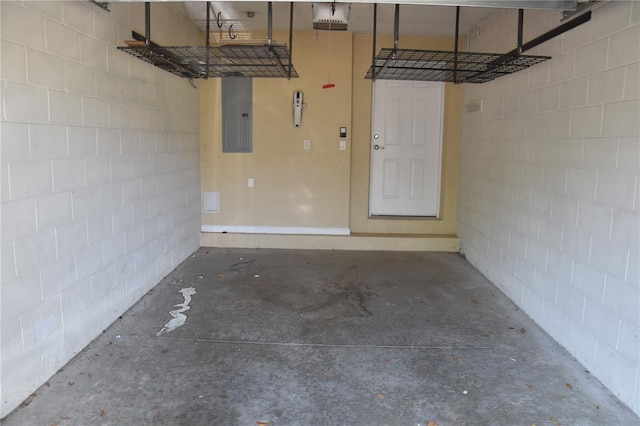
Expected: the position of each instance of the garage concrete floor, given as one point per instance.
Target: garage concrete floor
(283, 337)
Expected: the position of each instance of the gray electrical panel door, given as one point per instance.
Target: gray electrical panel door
(237, 115)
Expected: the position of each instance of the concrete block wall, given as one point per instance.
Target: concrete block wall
(549, 194)
(100, 173)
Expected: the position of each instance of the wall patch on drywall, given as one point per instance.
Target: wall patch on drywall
(179, 318)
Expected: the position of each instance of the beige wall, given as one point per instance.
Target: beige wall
(293, 186)
(321, 187)
(360, 222)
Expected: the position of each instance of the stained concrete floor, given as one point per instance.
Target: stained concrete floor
(324, 338)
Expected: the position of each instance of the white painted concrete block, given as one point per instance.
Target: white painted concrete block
(621, 119)
(560, 265)
(65, 108)
(588, 280)
(99, 227)
(628, 342)
(62, 41)
(35, 251)
(583, 342)
(129, 92)
(86, 202)
(577, 37)
(621, 47)
(98, 170)
(27, 104)
(632, 82)
(622, 297)
(616, 189)
(625, 227)
(554, 180)
(603, 322)
(82, 141)
(79, 16)
(20, 294)
(629, 155)
(576, 243)
(611, 19)
(607, 86)
(88, 261)
(112, 248)
(80, 79)
(45, 70)
(550, 233)
(95, 112)
(569, 152)
(549, 98)
(102, 282)
(68, 173)
(118, 62)
(107, 85)
(558, 124)
(591, 58)
(111, 196)
(53, 210)
(573, 93)
(609, 257)
(586, 121)
(134, 239)
(93, 53)
(537, 254)
(106, 29)
(22, 26)
(15, 142)
(562, 67)
(581, 184)
(30, 178)
(57, 276)
(617, 370)
(119, 115)
(600, 153)
(13, 62)
(594, 218)
(120, 168)
(7, 262)
(122, 219)
(71, 237)
(47, 142)
(108, 142)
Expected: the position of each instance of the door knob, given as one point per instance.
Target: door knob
(377, 147)
(376, 136)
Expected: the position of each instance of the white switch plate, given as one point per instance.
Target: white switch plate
(307, 144)
(343, 145)
(250, 182)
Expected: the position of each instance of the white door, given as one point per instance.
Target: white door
(406, 148)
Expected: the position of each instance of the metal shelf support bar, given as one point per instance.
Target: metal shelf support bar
(455, 49)
(290, 40)
(375, 24)
(396, 32)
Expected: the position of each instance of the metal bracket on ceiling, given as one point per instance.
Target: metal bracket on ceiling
(101, 4)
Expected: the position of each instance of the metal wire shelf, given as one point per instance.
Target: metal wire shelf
(223, 61)
(436, 65)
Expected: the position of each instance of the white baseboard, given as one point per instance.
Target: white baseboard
(278, 230)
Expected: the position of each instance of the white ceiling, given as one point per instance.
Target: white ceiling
(414, 19)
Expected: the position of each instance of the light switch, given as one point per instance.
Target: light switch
(250, 182)
(343, 132)
(307, 144)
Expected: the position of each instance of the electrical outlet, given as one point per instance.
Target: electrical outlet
(343, 145)
(307, 144)
(250, 182)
